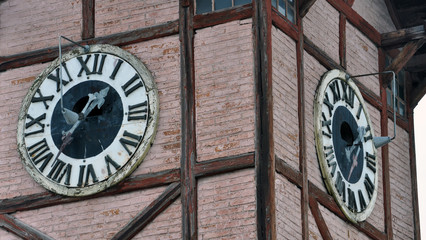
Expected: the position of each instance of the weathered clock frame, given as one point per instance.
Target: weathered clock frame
(138, 152)
(350, 197)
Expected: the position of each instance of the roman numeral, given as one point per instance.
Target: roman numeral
(369, 186)
(126, 87)
(336, 92)
(137, 111)
(326, 123)
(134, 141)
(37, 153)
(33, 121)
(96, 69)
(352, 201)
(340, 186)
(368, 137)
(117, 67)
(348, 94)
(42, 98)
(371, 161)
(108, 162)
(57, 79)
(358, 114)
(59, 170)
(90, 173)
(362, 203)
(328, 104)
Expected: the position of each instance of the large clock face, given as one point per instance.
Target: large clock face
(344, 143)
(89, 133)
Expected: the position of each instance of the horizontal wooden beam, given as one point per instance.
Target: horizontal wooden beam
(149, 213)
(21, 229)
(400, 37)
(118, 39)
(215, 18)
(223, 165)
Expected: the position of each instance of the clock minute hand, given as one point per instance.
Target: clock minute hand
(96, 99)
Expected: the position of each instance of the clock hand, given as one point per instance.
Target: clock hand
(354, 163)
(71, 117)
(96, 99)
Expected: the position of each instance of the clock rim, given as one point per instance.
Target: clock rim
(144, 144)
(326, 79)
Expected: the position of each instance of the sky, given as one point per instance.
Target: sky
(420, 141)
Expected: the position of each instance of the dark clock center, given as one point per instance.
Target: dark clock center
(349, 152)
(99, 128)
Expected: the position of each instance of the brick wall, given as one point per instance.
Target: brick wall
(118, 16)
(321, 25)
(226, 206)
(224, 90)
(362, 57)
(288, 209)
(162, 58)
(376, 13)
(284, 88)
(313, 73)
(400, 184)
(31, 25)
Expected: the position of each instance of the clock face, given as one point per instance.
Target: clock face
(88, 134)
(344, 143)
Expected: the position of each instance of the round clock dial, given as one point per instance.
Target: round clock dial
(344, 143)
(88, 134)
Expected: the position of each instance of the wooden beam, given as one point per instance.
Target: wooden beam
(385, 151)
(319, 220)
(403, 57)
(88, 25)
(188, 144)
(154, 209)
(21, 229)
(303, 165)
(45, 199)
(118, 39)
(400, 37)
(223, 165)
(355, 19)
(264, 143)
(304, 7)
(342, 40)
(216, 18)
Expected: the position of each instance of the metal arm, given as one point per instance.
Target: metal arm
(381, 141)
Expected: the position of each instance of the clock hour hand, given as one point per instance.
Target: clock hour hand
(71, 117)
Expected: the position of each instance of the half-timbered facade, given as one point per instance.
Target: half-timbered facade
(234, 155)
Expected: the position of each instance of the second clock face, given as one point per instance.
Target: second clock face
(111, 112)
(344, 142)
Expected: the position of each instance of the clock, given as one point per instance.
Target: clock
(90, 132)
(344, 145)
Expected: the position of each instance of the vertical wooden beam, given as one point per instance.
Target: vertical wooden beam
(88, 28)
(342, 40)
(264, 144)
(413, 170)
(188, 142)
(302, 137)
(385, 151)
